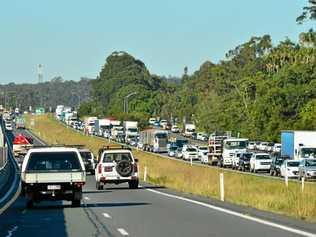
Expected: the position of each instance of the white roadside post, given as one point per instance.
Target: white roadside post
(191, 161)
(286, 179)
(221, 185)
(303, 181)
(145, 174)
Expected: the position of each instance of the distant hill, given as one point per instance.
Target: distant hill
(47, 94)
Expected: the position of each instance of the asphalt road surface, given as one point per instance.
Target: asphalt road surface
(148, 211)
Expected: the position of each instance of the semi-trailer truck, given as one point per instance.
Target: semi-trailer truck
(154, 140)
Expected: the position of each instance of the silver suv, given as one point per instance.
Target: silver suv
(307, 169)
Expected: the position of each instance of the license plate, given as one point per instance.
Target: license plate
(53, 187)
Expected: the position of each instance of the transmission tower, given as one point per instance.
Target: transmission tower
(40, 73)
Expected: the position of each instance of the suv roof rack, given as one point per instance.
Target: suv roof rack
(105, 148)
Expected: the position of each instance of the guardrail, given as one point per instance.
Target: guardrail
(10, 183)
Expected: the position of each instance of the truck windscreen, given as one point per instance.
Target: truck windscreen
(236, 144)
(308, 152)
(52, 161)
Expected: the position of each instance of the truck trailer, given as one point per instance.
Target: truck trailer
(298, 144)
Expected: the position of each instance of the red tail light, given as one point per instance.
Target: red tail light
(108, 168)
(100, 169)
(79, 184)
(135, 168)
(20, 140)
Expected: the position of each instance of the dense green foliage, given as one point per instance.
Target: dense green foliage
(257, 90)
(48, 94)
(309, 12)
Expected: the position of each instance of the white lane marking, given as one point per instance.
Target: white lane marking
(264, 222)
(86, 198)
(122, 232)
(106, 215)
(42, 143)
(10, 232)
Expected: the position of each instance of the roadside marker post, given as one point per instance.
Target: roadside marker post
(191, 161)
(286, 179)
(145, 174)
(221, 185)
(303, 183)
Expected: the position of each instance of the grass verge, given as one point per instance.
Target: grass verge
(257, 192)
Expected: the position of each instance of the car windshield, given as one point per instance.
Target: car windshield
(311, 163)
(308, 152)
(161, 135)
(236, 144)
(86, 155)
(51, 161)
(191, 149)
(116, 157)
(293, 163)
(173, 148)
(262, 157)
(132, 129)
(203, 148)
(247, 155)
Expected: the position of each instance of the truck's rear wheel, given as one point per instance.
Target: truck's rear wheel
(76, 203)
(133, 184)
(98, 186)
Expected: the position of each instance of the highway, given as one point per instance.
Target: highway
(148, 211)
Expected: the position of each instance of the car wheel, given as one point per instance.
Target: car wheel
(133, 184)
(98, 186)
(76, 203)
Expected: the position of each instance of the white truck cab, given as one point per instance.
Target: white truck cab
(116, 165)
(230, 147)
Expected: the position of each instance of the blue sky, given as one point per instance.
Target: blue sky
(72, 38)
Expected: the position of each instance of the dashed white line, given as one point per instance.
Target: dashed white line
(107, 216)
(10, 232)
(86, 198)
(234, 213)
(122, 232)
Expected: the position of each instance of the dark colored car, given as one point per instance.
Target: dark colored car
(277, 161)
(88, 160)
(244, 161)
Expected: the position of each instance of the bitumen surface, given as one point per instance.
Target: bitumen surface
(147, 211)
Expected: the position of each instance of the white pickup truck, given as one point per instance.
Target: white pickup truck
(53, 173)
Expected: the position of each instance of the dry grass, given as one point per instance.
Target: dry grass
(261, 193)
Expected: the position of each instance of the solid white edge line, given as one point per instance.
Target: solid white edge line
(106, 215)
(33, 135)
(234, 213)
(122, 232)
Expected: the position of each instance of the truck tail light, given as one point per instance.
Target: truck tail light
(108, 168)
(100, 169)
(79, 184)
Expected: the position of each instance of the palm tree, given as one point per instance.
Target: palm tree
(309, 12)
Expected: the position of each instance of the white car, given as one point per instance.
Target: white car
(269, 147)
(260, 162)
(175, 129)
(252, 145)
(189, 153)
(203, 154)
(289, 168)
(8, 126)
(116, 165)
(163, 123)
(235, 160)
(152, 121)
(201, 136)
(277, 147)
(262, 146)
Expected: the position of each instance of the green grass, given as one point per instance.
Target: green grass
(247, 190)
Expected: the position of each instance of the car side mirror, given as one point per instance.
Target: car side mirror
(136, 160)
